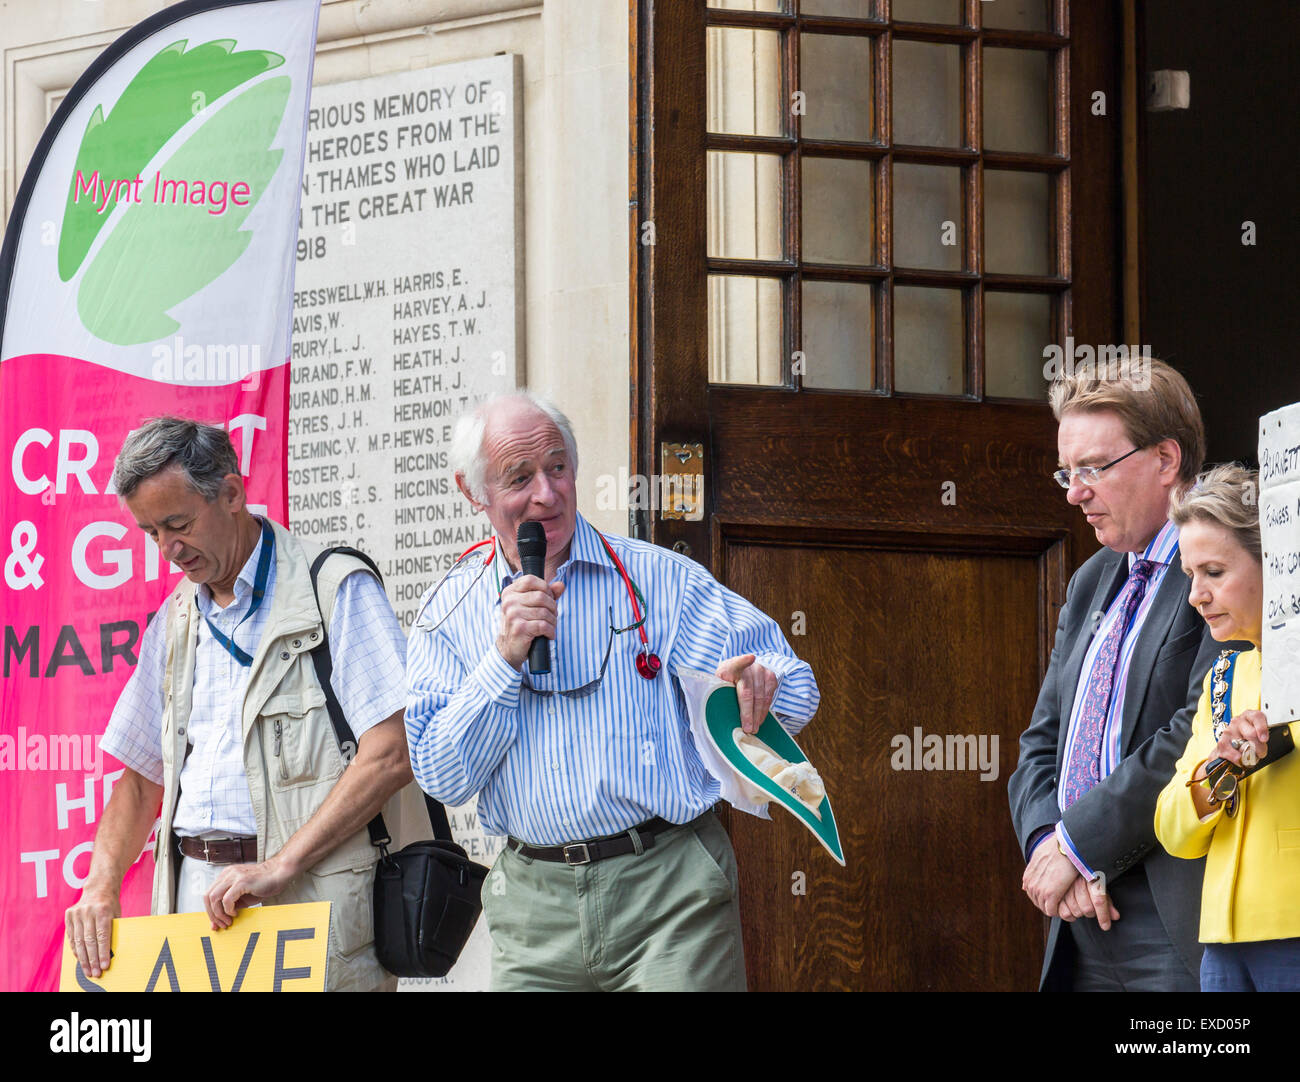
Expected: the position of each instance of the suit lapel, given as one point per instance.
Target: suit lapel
(1109, 583)
(1169, 600)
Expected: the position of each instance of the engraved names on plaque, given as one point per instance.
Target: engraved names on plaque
(406, 309)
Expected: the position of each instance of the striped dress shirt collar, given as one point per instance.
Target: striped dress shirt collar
(1161, 548)
(585, 547)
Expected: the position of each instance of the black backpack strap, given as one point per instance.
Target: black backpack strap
(437, 818)
(324, 664)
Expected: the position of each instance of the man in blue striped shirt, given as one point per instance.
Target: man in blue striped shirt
(617, 875)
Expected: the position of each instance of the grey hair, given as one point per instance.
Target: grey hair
(1227, 496)
(466, 451)
(204, 454)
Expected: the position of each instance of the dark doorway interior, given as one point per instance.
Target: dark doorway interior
(1224, 313)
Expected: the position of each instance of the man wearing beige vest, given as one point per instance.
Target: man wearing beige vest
(224, 720)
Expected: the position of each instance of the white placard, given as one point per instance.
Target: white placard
(407, 311)
(1279, 523)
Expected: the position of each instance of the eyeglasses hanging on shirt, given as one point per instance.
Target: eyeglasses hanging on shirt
(586, 689)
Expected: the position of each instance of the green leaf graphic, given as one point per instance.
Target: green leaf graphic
(164, 96)
(162, 252)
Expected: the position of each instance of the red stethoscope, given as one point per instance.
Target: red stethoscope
(647, 662)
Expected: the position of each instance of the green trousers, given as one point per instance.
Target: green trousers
(666, 919)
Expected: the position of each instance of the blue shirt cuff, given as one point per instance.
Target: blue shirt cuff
(795, 689)
(1070, 851)
(498, 680)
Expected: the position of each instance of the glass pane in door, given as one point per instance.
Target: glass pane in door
(835, 77)
(1017, 327)
(745, 327)
(837, 217)
(1016, 14)
(751, 5)
(841, 9)
(926, 11)
(928, 340)
(1016, 222)
(744, 81)
(744, 208)
(927, 94)
(927, 216)
(1017, 101)
(837, 336)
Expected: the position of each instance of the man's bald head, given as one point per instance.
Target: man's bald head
(469, 457)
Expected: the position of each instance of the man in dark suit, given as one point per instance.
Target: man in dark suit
(1115, 709)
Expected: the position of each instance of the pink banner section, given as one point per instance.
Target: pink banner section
(81, 582)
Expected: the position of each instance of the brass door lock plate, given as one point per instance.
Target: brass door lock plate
(681, 480)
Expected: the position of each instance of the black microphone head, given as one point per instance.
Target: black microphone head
(531, 540)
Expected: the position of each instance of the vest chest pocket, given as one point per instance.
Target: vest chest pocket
(298, 732)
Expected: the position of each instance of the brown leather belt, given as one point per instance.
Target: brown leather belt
(588, 852)
(220, 850)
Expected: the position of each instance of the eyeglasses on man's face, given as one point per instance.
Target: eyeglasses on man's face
(1089, 475)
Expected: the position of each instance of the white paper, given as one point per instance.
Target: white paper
(1279, 524)
(740, 794)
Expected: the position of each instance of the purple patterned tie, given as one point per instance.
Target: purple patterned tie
(1083, 771)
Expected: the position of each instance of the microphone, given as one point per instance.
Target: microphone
(531, 542)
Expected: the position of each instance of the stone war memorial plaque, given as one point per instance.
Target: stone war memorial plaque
(1279, 524)
(407, 312)
(406, 309)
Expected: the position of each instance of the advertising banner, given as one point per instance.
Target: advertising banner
(147, 269)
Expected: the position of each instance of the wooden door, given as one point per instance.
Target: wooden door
(856, 229)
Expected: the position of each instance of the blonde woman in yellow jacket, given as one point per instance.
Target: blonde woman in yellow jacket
(1250, 901)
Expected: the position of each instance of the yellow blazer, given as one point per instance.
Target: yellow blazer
(1252, 871)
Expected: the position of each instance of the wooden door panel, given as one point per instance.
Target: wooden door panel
(899, 640)
(920, 536)
(780, 456)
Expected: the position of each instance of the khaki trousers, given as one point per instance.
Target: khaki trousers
(664, 920)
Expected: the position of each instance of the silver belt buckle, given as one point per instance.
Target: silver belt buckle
(586, 854)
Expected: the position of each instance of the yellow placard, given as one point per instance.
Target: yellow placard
(268, 948)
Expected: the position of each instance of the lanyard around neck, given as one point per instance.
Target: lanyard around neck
(259, 592)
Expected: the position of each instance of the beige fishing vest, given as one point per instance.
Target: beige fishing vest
(291, 755)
